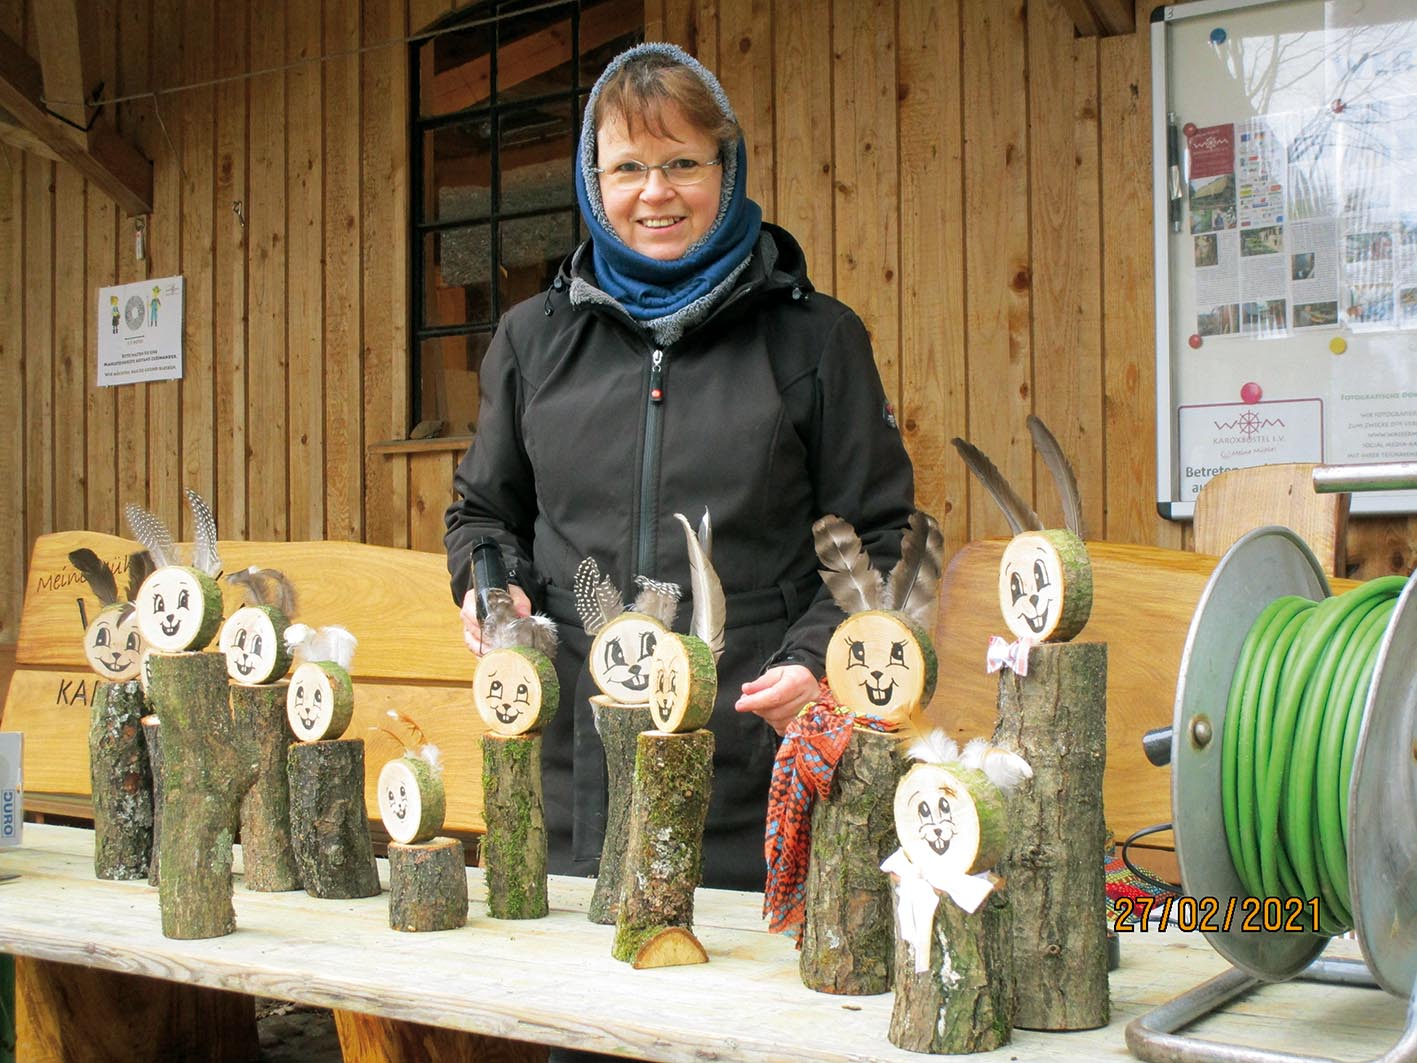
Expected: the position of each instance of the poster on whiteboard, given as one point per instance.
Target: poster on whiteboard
(140, 332)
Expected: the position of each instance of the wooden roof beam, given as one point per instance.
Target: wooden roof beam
(100, 155)
(1083, 19)
(1117, 17)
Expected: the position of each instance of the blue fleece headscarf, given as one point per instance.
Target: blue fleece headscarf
(650, 289)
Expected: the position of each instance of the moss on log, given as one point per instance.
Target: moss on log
(514, 848)
(152, 738)
(964, 1001)
(1056, 719)
(207, 769)
(664, 863)
(329, 828)
(121, 782)
(268, 858)
(848, 940)
(427, 885)
(618, 726)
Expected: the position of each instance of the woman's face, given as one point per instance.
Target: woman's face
(657, 219)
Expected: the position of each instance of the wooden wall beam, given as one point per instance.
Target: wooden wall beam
(1116, 16)
(111, 163)
(1084, 21)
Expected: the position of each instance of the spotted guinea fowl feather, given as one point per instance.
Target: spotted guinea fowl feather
(1016, 511)
(847, 572)
(598, 600)
(1053, 457)
(98, 575)
(205, 556)
(707, 589)
(914, 582)
(657, 599)
(152, 532)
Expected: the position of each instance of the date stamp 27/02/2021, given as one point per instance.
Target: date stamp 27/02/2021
(1297, 915)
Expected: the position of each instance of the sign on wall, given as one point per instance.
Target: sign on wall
(12, 811)
(140, 332)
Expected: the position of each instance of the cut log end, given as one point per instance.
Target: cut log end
(516, 690)
(683, 681)
(670, 946)
(882, 664)
(320, 701)
(619, 658)
(1045, 585)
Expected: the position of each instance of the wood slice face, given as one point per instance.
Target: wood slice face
(620, 657)
(253, 640)
(411, 799)
(515, 690)
(113, 644)
(683, 683)
(320, 701)
(938, 823)
(179, 609)
(1045, 585)
(881, 663)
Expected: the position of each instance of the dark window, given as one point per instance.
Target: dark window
(498, 91)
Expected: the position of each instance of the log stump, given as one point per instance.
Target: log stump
(121, 782)
(152, 739)
(207, 768)
(964, 1001)
(1056, 719)
(664, 862)
(268, 858)
(618, 727)
(848, 939)
(514, 848)
(329, 827)
(427, 885)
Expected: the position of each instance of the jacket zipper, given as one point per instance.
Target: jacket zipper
(649, 498)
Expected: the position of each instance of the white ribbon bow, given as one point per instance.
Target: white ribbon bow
(1012, 655)
(918, 895)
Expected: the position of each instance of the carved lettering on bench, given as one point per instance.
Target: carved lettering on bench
(67, 576)
(73, 692)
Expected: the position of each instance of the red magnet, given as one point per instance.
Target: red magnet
(1251, 393)
(1337, 106)
(1189, 129)
(1195, 341)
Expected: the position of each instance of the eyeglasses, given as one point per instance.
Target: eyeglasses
(678, 172)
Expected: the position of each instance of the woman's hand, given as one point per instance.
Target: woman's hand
(472, 630)
(778, 694)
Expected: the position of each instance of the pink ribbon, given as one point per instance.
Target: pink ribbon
(1011, 655)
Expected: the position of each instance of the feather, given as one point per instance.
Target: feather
(536, 631)
(1053, 457)
(153, 533)
(327, 644)
(1016, 511)
(433, 755)
(657, 599)
(412, 725)
(98, 575)
(1005, 770)
(598, 600)
(140, 567)
(501, 614)
(265, 586)
(848, 574)
(296, 636)
(914, 583)
(707, 589)
(933, 747)
(205, 556)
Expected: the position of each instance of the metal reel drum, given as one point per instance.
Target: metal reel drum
(1382, 803)
(1266, 564)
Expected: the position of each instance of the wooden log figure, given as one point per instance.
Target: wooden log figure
(179, 606)
(953, 964)
(329, 827)
(619, 727)
(624, 640)
(268, 857)
(881, 669)
(253, 638)
(152, 738)
(320, 699)
(113, 645)
(412, 800)
(1053, 712)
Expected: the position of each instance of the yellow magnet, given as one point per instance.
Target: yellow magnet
(1338, 345)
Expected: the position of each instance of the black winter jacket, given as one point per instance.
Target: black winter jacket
(770, 413)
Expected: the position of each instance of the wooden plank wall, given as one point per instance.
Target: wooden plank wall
(968, 174)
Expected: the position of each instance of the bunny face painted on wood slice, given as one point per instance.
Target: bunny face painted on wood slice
(1045, 585)
(179, 608)
(320, 701)
(621, 654)
(949, 819)
(515, 690)
(881, 663)
(411, 799)
(113, 644)
(253, 640)
(683, 683)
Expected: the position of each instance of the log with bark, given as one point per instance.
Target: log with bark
(152, 738)
(618, 726)
(207, 768)
(427, 885)
(664, 862)
(267, 855)
(121, 782)
(1056, 719)
(514, 848)
(329, 827)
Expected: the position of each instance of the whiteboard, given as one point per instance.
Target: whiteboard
(1284, 158)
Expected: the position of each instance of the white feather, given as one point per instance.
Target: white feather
(296, 635)
(934, 747)
(433, 755)
(1004, 769)
(327, 644)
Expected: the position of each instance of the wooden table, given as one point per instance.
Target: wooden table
(552, 980)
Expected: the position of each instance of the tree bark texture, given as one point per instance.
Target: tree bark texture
(268, 858)
(208, 766)
(152, 739)
(664, 863)
(514, 848)
(964, 1001)
(427, 885)
(329, 827)
(618, 727)
(1056, 718)
(848, 940)
(121, 782)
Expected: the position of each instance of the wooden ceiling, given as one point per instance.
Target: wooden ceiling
(1101, 18)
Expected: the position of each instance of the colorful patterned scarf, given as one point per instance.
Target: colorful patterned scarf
(803, 771)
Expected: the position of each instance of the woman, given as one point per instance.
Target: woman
(680, 361)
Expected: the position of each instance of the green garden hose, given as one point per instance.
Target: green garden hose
(1292, 722)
